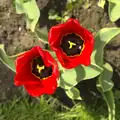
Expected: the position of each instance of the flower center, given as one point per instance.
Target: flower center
(39, 69)
(72, 44)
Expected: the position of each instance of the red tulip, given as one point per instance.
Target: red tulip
(72, 43)
(37, 71)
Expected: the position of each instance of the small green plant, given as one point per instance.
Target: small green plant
(31, 11)
(113, 8)
(70, 5)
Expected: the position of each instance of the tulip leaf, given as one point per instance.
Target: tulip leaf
(101, 3)
(105, 85)
(31, 11)
(106, 90)
(101, 39)
(114, 1)
(113, 10)
(7, 60)
(105, 78)
(73, 93)
(71, 77)
(109, 98)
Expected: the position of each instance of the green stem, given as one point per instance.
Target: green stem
(41, 40)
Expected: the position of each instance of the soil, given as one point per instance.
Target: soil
(16, 38)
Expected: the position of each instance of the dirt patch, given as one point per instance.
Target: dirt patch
(7, 88)
(13, 33)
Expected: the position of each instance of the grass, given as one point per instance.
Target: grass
(24, 109)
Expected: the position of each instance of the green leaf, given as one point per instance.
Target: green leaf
(72, 77)
(105, 85)
(101, 3)
(101, 39)
(7, 60)
(31, 11)
(42, 34)
(18, 5)
(113, 10)
(74, 94)
(105, 78)
(109, 98)
(55, 17)
(114, 1)
(69, 4)
(30, 24)
(71, 1)
(111, 104)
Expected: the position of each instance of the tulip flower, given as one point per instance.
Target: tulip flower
(37, 71)
(72, 43)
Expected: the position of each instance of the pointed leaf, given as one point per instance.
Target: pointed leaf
(105, 85)
(105, 78)
(72, 77)
(9, 62)
(101, 39)
(113, 10)
(74, 94)
(109, 98)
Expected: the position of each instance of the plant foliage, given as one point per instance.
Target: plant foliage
(31, 11)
